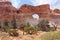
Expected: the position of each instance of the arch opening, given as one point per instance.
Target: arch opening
(35, 16)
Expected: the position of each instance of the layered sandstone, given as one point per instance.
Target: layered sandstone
(6, 10)
(56, 11)
(42, 10)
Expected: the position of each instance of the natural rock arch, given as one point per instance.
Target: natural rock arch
(35, 16)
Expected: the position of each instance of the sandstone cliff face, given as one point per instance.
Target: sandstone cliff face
(26, 8)
(56, 11)
(35, 9)
(25, 12)
(6, 10)
(30, 10)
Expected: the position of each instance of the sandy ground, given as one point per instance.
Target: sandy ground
(4, 36)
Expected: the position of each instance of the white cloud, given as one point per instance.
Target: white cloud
(56, 6)
(15, 3)
(39, 2)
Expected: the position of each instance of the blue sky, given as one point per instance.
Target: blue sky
(53, 3)
(18, 3)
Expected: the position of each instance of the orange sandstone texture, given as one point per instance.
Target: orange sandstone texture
(7, 11)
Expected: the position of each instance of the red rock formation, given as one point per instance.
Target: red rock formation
(25, 11)
(56, 11)
(30, 10)
(55, 16)
(6, 10)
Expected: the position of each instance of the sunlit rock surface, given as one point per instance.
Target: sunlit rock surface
(25, 12)
(42, 10)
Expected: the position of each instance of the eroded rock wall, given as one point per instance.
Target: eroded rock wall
(25, 12)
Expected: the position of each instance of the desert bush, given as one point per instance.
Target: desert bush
(52, 29)
(30, 30)
(13, 32)
(5, 29)
(6, 23)
(33, 30)
(43, 25)
(51, 36)
(22, 26)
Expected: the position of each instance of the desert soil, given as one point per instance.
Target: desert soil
(5, 36)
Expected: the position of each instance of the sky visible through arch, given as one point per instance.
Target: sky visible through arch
(19, 3)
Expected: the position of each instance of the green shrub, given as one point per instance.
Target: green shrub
(13, 32)
(30, 30)
(33, 30)
(22, 26)
(51, 36)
